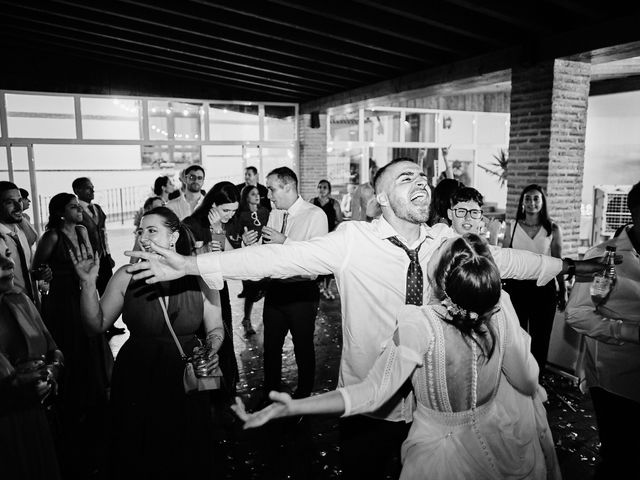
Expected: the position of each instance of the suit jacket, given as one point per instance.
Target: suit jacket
(96, 229)
(264, 194)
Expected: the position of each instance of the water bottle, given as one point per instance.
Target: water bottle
(604, 281)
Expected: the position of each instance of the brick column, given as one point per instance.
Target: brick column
(546, 145)
(312, 163)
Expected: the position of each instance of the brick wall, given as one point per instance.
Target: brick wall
(312, 165)
(548, 122)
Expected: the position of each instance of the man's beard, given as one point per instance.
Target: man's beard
(194, 188)
(12, 219)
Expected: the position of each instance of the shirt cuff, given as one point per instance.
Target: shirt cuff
(347, 401)
(210, 270)
(627, 331)
(551, 268)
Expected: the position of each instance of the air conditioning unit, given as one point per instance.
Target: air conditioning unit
(610, 211)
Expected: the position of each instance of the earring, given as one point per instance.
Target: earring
(172, 245)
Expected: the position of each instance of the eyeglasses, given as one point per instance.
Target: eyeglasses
(256, 220)
(193, 178)
(462, 212)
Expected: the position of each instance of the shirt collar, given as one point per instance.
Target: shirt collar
(384, 230)
(7, 230)
(83, 204)
(296, 207)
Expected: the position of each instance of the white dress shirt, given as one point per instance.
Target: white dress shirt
(370, 274)
(612, 332)
(181, 207)
(305, 221)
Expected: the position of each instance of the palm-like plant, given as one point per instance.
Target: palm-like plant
(500, 167)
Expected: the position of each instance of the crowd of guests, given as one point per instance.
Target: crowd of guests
(425, 310)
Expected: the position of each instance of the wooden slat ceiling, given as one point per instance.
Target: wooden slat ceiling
(274, 50)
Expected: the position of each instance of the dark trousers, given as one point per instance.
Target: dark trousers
(536, 309)
(370, 448)
(105, 272)
(291, 306)
(618, 420)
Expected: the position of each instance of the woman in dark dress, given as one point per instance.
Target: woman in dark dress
(158, 430)
(331, 207)
(208, 224)
(84, 386)
(251, 216)
(29, 366)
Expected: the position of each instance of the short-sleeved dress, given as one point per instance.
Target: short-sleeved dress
(470, 422)
(159, 431)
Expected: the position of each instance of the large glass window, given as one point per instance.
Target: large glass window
(234, 122)
(40, 116)
(381, 126)
(169, 120)
(420, 127)
(279, 122)
(110, 118)
(343, 127)
(343, 167)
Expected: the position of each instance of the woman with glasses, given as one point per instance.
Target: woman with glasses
(533, 230)
(85, 381)
(331, 207)
(251, 216)
(211, 229)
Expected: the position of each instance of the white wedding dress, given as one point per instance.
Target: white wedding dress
(470, 421)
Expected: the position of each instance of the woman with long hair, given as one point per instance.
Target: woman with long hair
(158, 430)
(84, 386)
(210, 227)
(30, 363)
(163, 187)
(463, 352)
(534, 230)
(251, 216)
(331, 207)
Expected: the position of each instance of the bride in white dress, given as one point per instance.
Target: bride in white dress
(479, 412)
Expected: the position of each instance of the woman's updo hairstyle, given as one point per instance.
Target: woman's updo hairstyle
(468, 285)
(186, 242)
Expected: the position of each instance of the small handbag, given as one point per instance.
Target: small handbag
(190, 381)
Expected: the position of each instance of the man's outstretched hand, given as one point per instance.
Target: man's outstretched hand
(160, 264)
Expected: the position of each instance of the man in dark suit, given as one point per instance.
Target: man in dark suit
(251, 178)
(94, 219)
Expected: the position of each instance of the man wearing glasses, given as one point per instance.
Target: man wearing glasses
(465, 213)
(184, 205)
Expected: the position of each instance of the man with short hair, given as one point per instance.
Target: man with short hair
(379, 267)
(19, 240)
(95, 221)
(290, 305)
(465, 213)
(185, 204)
(251, 179)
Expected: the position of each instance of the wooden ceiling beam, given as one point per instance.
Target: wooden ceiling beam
(69, 42)
(364, 55)
(283, 68)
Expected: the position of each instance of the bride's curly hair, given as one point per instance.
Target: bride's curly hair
(468, 284)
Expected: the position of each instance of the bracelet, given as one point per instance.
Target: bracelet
(571, 271)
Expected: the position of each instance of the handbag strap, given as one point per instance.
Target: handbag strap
(173, 334)
(513, 233)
